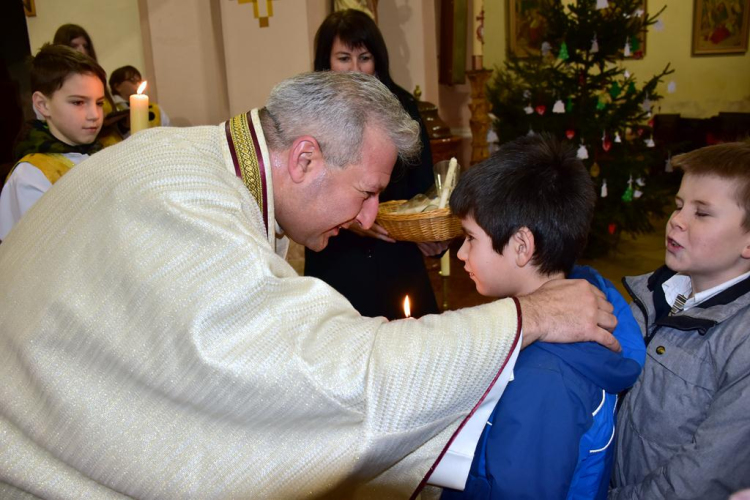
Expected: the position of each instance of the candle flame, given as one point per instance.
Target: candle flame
(142, 87)
(407, 307)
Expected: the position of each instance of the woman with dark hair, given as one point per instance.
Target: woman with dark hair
(367, 266)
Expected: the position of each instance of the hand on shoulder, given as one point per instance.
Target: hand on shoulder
(565, 311)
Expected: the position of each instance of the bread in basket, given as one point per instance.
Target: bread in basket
(435, 225)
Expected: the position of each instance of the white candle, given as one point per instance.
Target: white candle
(139, 110)
(478, 26)
(445, 264)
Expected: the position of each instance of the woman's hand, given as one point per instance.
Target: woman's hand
(376, 231)
(432, 248)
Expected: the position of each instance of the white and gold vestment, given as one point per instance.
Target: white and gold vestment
(154, 344)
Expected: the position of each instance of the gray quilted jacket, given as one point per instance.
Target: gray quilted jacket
(684, 427)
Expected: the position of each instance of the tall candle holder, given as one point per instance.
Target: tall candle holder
(480, 108)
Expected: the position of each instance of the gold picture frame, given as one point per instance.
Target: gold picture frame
(720, 27)
(639, 52)
(29, 7)
(527, 27)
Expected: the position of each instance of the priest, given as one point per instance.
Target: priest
(154, 343)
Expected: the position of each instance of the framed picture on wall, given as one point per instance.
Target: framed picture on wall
(638, 42)
(527, 27)
(29, 7)
(720, 26)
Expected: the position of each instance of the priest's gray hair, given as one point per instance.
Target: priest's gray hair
(335, 108)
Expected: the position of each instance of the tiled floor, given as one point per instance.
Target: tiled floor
(634, 256)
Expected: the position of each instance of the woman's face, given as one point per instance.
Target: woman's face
(81, 45)
(344, 58)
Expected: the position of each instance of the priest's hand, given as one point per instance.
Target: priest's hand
(565, 311)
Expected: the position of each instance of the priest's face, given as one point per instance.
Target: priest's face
(340, 197)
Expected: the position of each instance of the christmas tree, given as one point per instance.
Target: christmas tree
(578, 90)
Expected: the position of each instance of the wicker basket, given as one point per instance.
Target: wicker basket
(436, 225)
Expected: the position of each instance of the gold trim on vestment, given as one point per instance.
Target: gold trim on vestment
(247, 157)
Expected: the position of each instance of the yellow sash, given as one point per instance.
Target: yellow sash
(52, 165)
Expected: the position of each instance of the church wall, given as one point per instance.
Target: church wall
(185, 48)
(113, 26)
(257, 58)
(409, 33)
(706, 85)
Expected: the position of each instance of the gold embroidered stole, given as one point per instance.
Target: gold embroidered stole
(52, 165)
(248, 161)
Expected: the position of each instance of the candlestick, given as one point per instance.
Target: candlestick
(478, 34)
(480, 119)
(445, 264)
(139, 110)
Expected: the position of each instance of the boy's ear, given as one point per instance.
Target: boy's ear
(305, 158)
(746, 251)
(40, 103)
(522, 244)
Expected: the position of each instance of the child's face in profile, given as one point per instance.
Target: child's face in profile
(128, 87)
(705, 238)
(493, 274)
(74, 111)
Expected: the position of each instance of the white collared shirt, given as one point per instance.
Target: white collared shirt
(681, 284)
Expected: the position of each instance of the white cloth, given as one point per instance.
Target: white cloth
(453, 469)
(153, 344)
(24, 187)
(681, 284)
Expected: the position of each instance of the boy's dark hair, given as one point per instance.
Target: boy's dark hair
(124, 74)
(54, 63)
(535, 182)
(730, 161)
(355, 29)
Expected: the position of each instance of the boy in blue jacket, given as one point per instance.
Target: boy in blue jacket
(526, 212)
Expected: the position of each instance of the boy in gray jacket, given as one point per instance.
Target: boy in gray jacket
(684, 428)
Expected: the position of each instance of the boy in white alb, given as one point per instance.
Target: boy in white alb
(68, 92)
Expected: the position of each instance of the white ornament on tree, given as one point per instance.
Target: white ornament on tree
(528, 109)
(582, 153)
(637, 193)
(559, 107)
(546, 49)
(649, 142)
(659, 25)
(604, 188)
(672, 87)
(602, 4)
(594, 46)
(617, 137)
(646, 105)
(627, 74)
(627, 49)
